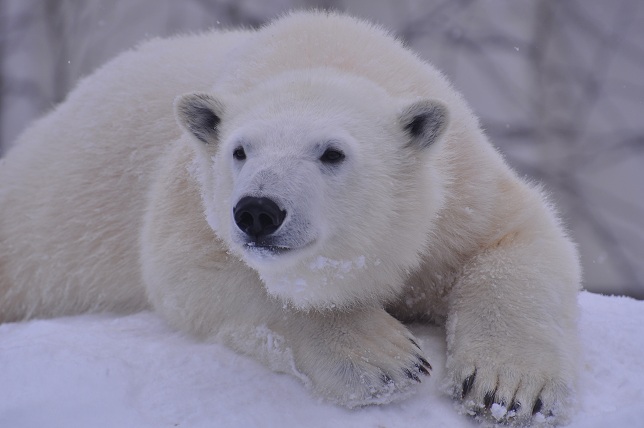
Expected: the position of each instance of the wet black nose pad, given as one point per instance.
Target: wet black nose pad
(258, 217)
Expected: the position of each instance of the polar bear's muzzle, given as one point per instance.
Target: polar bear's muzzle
(264, 229)
(258, 218)
(275, 209)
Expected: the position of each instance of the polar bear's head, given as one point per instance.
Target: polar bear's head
(321, 182)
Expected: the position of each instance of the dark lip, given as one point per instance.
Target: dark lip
(272, 249)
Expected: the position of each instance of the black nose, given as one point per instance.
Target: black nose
(258, 217)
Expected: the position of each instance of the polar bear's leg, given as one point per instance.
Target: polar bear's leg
(357, 358)
(511, 327)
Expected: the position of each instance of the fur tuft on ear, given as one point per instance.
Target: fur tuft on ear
(424, 121)
(200, 114)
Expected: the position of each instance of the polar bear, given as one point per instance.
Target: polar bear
(297, 192)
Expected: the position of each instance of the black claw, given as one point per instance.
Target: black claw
(414, 343)
(425, 362)
(537, 406)
(386, 379)
(468, 383)
(489, 399)
(411, 375)
(515, 406)
(422, 369)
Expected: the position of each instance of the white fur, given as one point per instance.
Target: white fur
(106, 204)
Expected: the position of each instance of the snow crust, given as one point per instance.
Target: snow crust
(134, 371)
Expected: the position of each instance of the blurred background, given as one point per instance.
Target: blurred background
(559, 87)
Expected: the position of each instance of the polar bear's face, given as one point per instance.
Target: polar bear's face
(315, 182)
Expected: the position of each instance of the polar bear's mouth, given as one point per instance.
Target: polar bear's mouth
(265, 250)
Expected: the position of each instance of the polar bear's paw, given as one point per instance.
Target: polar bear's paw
(526, 391)
(363, 358)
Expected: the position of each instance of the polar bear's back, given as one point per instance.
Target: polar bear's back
(74, 185)
(325, 40)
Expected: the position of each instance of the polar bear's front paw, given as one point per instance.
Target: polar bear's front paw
(363, 358)
(511, 391)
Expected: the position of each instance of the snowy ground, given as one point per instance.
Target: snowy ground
(133, 371)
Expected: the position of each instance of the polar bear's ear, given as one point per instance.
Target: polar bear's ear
(200, 114)
(424, 121)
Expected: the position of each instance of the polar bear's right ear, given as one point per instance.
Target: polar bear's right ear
(425, 121)
(200, 114)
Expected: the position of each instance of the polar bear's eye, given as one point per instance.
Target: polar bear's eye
(332, 156)
(239, 154)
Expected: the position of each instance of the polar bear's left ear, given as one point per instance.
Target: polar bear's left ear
(200, 114)
(424, 121)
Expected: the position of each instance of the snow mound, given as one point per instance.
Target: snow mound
(134, 371)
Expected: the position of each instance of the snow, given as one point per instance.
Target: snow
(134, 371)
(340, 266)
